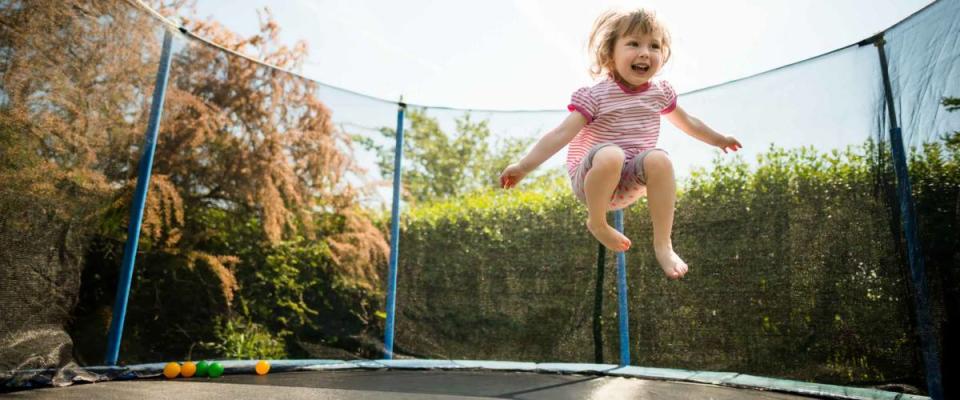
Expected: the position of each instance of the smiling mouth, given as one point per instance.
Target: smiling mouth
(642, 68)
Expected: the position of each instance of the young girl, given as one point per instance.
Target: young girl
(612, 132)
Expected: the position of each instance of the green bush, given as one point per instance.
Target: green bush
(797, 270)
(239, 339)
(298, 292)
(201, 306)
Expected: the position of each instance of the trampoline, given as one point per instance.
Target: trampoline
(404, 385)
(440, 380)
(256, 244)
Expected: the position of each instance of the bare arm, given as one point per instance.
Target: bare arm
(700, 131)
(547, 146)
(553, 141)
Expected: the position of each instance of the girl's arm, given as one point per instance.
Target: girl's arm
(548, 145)
(700, 131)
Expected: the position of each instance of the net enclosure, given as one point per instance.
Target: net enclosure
(164, 197)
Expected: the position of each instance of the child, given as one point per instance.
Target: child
(612, 132)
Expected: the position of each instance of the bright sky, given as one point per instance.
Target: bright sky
(530, 54)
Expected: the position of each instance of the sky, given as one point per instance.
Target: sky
(531, 54)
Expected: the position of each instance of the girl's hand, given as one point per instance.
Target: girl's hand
(511, 175)
(729, 142)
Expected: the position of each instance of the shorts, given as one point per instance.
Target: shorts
(633, 181)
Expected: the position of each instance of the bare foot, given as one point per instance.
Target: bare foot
(671, 263)
(608, 236)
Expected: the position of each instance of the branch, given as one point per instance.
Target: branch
(951, 103)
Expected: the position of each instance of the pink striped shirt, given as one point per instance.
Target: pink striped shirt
(616, 114)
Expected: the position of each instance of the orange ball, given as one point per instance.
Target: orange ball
(171, 370)
(262, 367)
(188, 369)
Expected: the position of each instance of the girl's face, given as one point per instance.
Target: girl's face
(638, 58)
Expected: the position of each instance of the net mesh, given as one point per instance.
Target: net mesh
(267, 221)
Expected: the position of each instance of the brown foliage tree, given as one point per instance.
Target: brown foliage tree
(236, 136)
(240, 134)
(67, 103)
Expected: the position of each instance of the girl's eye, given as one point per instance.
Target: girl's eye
(633, 44)
(656, 46)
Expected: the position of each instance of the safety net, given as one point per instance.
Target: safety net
(266, 227)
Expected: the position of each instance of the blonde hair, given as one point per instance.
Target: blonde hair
(613, 25)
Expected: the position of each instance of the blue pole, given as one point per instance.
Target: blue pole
(622, 297)
(136, 207)
(929, 347)
(394, 239)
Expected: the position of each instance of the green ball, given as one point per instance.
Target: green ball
(202, 368)
(215, 370)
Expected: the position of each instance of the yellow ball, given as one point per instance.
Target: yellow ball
(171, 370)
(262, 367)
(188, 369)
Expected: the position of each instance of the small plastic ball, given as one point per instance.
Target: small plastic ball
(188, 369)
(262, 367)
(215, 370)
(171, 370)
(202, 368)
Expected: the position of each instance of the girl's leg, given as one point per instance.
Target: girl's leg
(599, 183)
(661, 198)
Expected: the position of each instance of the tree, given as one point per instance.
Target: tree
(247, 162)
(439, 165)
(251, 145)
(70, 100)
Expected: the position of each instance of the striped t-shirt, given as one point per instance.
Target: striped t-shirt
(629, 118)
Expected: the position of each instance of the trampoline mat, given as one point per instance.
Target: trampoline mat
(400, 384)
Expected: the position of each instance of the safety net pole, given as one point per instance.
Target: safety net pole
(598, 306)
(928, 343)
(137, 205)
(394, 239)
(622, 297)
